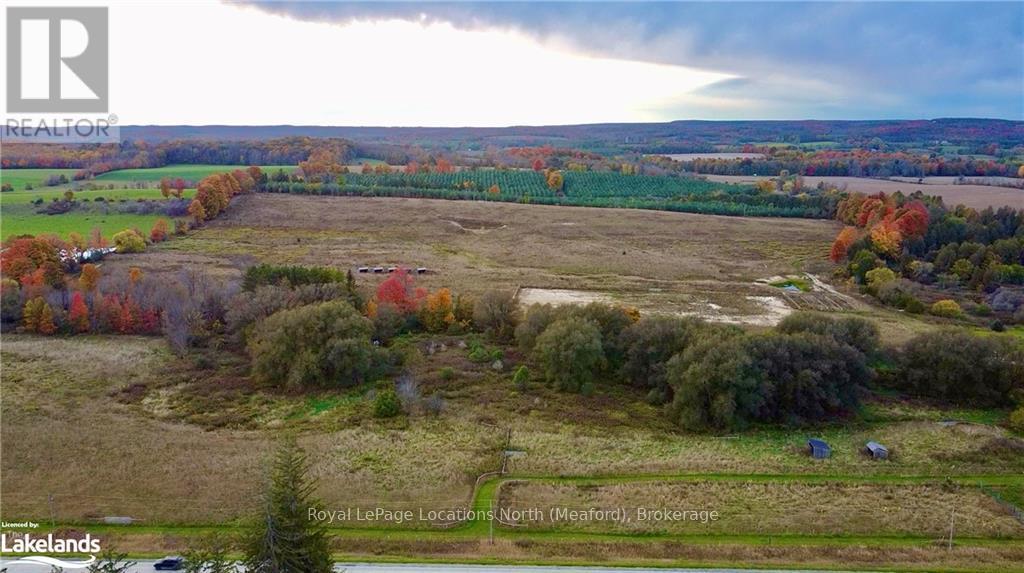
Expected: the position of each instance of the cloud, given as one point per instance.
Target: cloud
(848, 59)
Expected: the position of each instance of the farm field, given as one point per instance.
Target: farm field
(187, 172)
(18, 178)
(672, 262)
(190, 435)
(977, 196)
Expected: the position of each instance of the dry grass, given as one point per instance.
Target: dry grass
(977, 196)
(772, 508)
(66, 432)
(654, 260)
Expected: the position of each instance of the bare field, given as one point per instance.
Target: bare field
(667, 262)
(977, 196)
(764, 508)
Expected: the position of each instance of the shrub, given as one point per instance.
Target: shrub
(386, 404)
(537, 318)
(326, 344)
(878, 277)
(961, 368)
(496, 314)
(791, 379)
(521, 378)
(10, 300)
(1016, 421)
(247, 308)
(128, 241)
(293, 275)
(649, 344)
(447, 373)
(570, 353)
(853, 331)
(947, 308)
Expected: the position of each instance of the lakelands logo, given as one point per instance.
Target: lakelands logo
(25, 543)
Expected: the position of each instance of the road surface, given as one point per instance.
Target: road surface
(146, 566)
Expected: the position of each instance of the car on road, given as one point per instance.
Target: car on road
(169, 563)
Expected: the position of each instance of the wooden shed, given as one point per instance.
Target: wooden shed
(818, 448)
(877, 451)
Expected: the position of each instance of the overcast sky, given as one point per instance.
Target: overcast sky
(493, 64)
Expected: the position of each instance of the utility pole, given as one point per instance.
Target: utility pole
(53, 518)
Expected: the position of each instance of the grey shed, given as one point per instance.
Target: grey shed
(818, 448)
(877, 451)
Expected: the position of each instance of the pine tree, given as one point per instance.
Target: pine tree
(284, 540)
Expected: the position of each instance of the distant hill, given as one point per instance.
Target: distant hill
(649, 137)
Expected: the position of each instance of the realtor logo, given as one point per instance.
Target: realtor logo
(57, 60)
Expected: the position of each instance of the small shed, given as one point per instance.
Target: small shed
(378, 269)
(421, 270)
(877, 451)
(392, 269)
(818, 448)
(364, 269)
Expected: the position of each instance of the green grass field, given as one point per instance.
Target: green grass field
(35, 177)
(188, 172)
(19, 215)
(21, 220)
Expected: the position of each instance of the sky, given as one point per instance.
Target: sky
(518, 63)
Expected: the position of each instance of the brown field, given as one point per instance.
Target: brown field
(767, 508)
(977, 196)
(668, 262)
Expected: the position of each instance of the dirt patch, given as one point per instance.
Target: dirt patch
(558, 297)
(474, 225)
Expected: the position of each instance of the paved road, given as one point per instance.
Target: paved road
(146, 566)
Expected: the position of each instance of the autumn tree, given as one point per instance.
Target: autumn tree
(841, 246)
(26, 256)
(400, 291)
(321, 165)
(129, 241)
(555, 180)
(197, 212)
(96, 240)
(76, 240)
(179, 187)
(165, 187)
(444, 166)
(538, 164)
(158, 233)
(32, 314)
(78, 315)
(886, 238)
(438, 313)
(90, 277)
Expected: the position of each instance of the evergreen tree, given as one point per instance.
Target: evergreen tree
(284, 540)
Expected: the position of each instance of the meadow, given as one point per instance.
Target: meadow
(179, 442)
